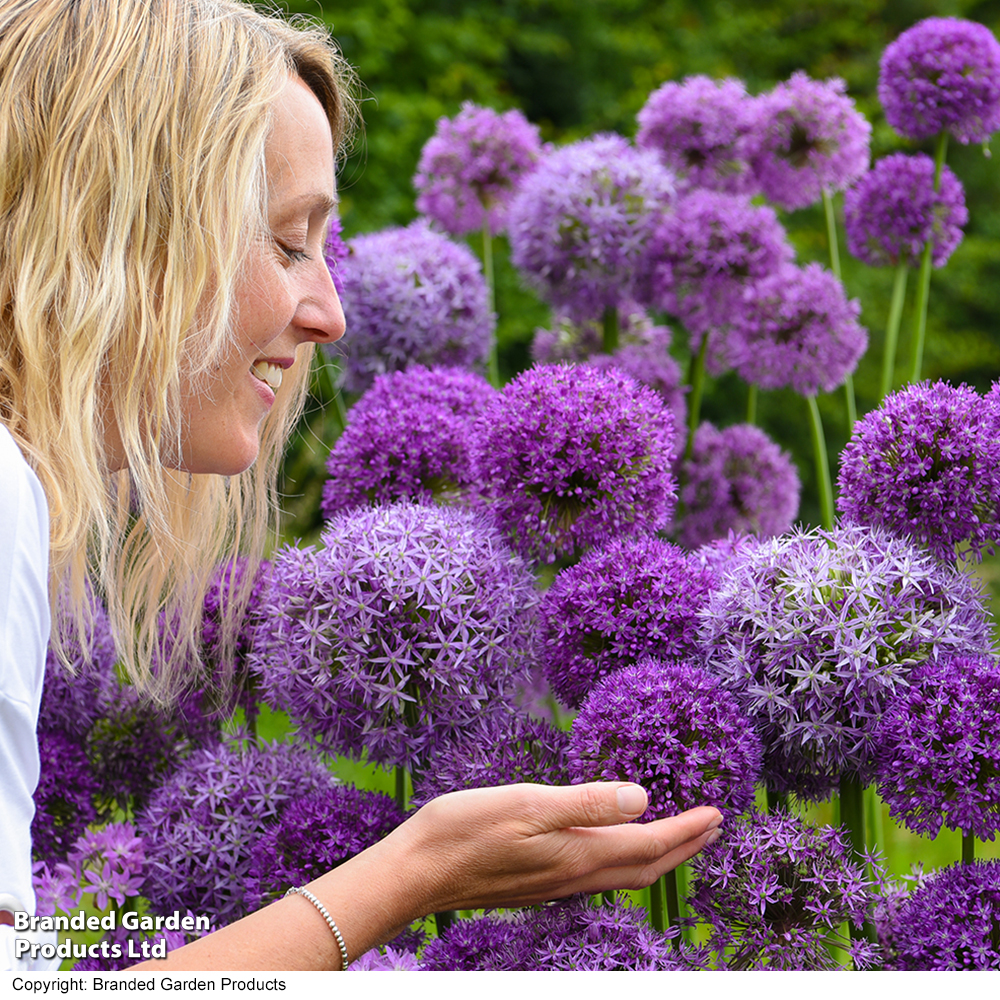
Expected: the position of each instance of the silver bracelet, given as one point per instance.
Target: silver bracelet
(302, 891)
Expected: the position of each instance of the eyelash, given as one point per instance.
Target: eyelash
(294, 256)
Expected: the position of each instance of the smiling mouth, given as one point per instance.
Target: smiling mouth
(266, 372)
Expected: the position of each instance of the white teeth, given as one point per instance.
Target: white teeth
(266, 372)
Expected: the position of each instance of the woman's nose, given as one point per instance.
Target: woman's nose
(320, 313)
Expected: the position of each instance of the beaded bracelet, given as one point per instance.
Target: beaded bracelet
(302, 891)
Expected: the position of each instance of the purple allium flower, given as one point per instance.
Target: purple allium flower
(581, 226)
(635, 596)
(388, 961)
(811, 139)
(396, 632)
(570, 457)
(704, 130)
(64, 796)
(776, 891)
(926, 464)
(335, 252)
(407, 439)
(472, 166)
(939, 748)
(412, 296)
(56, 890)
(815, 631)
(200, 825)
(942, 74)
(950, 922)
(498, 749)
(796, 328)
(892, 212)
(673, 728)
(110, 864)
(717, 555)
(314, 834)
(120, 949)
(737, 479)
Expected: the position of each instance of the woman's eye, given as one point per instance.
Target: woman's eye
(291, 254)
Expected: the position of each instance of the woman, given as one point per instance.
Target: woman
(167, 182)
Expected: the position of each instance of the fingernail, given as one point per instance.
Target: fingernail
(713, 836)
(631, 800)
(715, 824)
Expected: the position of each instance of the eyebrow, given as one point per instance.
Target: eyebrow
(315, 202)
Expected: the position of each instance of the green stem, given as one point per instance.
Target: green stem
(493, 370)
(610, 330)
(444, 920)
(852, 816)
(834, 244)
(892, 327)
(822, 463)
(874, 826)
(968, 848)
(401, 788)
(776, 801)
(673, 905)
(926, 265)
(657, 915)
(609, 898)
(752, 404)
(697, 382)
(325, 388)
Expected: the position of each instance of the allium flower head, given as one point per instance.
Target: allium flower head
(811, 139)
(776, 891)
(388, 961)
(64, 795)
(109, 864)
(396, 632)
(569, 457)
(407, 439)
(942, 74)
(703, 130)
(796, 328)
(581, 226)
(632, 597)
(335, 252)
(673, 728)
(737, 479)
(892, 212)
(926, 464)
(472, 166)
(202, 823)
(816, 631)
(939, 748)
(412, 296)
(498, 749)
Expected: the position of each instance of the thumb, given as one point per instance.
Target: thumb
(596, 803)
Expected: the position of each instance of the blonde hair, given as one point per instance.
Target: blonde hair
(132, 184)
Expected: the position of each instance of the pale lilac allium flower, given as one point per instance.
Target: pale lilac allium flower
(892, 212)
(633, 597)
(943, 74)
(926, 464)
(335, 252)
(939, 748)
(776, 891)
(671, 727)
(816, 631)
(570, 457)
(473, 165)
(64, 796)
(796, 328)
(56, 889)
(737, 479)
(396, 632)
(412, 296)
(582, 225)
(811, 139)
(389, 960)
(407, 439)
(704, 130)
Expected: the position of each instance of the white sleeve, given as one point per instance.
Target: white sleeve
(24, 636)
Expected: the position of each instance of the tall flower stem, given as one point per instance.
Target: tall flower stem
(874, 827)
(673, 904)
(831, 235)
(926, 264)
(610, 344)
(776, 801)
(657, 914)
(968, 848)
(696, 380)
(324, 387)
(852, 817)
(892, 327)
(823, 479)
(752, 404)
(401, 788)
(493, 369)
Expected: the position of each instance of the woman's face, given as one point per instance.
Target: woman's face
(285, 298)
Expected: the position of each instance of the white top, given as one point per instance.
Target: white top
(24, 637)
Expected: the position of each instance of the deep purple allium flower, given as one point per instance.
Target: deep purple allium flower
(950, 922)
(570, 457)
(201, 824)
(581, 226)
(472, 166)
(412, 296)
(942, 74)
(939, 748)
(737, 479)
(704, 130)
(407, 439)
(396, 632)
(64, 796)
(776, 891)
(633, 597)
(335, 252)
(388, 961)
(926, 463)
(816, 631)
(673, 728)
(796, 328)
(892, 212)
(314, 834)
(498, 749)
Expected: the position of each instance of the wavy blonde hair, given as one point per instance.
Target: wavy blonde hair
(132, 186)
